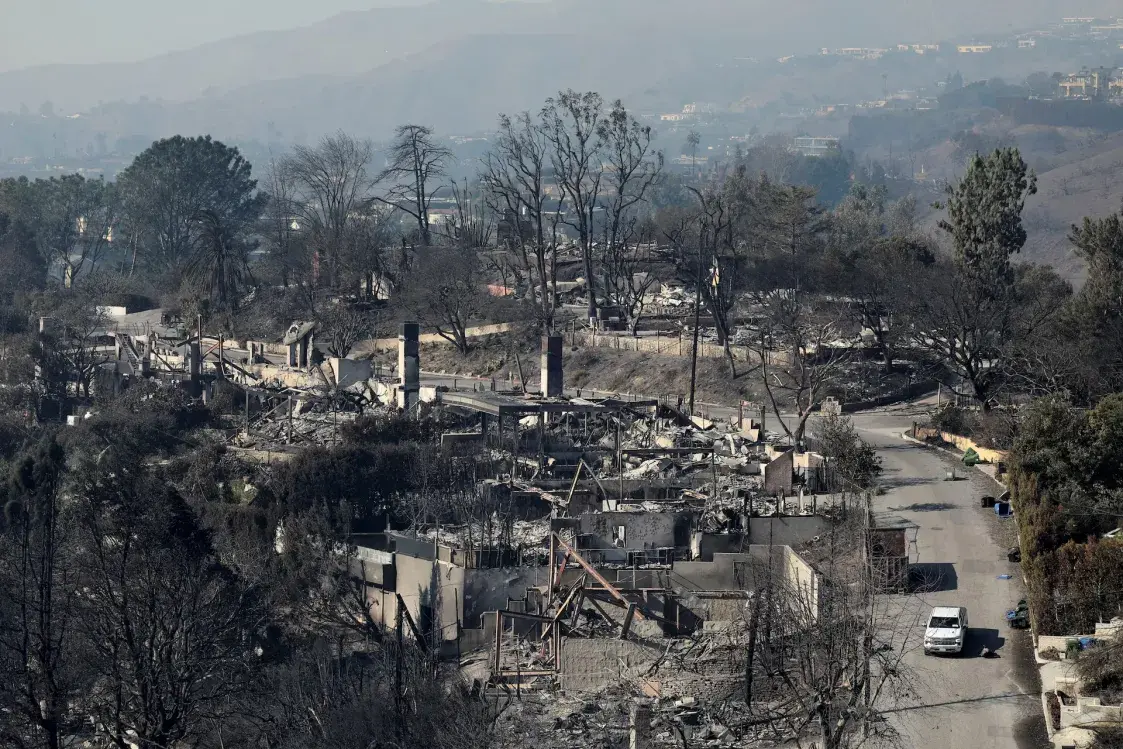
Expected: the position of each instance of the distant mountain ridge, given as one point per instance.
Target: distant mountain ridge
(358, 43)
(347, 44)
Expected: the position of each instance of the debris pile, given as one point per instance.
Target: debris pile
(557, 721)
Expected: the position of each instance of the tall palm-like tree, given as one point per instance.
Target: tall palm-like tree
(692, 141)
(219, 259)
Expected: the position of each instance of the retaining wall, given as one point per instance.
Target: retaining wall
(963, 444)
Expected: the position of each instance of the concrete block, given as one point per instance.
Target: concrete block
(350, 372)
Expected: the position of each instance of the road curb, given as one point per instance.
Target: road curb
(952, 454)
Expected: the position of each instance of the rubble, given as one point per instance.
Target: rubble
(559, 720)
(600, 572)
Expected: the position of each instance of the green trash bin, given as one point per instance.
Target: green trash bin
(970, 457)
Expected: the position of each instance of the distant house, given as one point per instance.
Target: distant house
(1098, 83)
(813, 146)
(861, 53)
(441, 215)
(974, 49)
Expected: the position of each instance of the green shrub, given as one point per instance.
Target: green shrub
(951, 418)
(1075, 586)
(1066, 484)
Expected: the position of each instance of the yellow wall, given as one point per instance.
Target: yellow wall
(964, 444)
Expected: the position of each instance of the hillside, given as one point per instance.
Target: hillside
(364, 42)
(1080, 173)
(435, 88)
(348, 44)
(1090, 183)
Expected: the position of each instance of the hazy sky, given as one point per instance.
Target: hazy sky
(37, 32)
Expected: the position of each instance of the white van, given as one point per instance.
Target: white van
(946, 631)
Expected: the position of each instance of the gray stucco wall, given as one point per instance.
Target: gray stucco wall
(778, 475)
(642, 529)
(489, 589)
(793, 530)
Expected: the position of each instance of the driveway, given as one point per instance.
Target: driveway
(966, 701)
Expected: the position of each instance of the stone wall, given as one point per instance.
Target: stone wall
(350, 372)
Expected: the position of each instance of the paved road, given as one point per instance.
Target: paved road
(966, 701)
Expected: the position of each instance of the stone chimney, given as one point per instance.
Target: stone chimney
(409, 365)
(552, 382)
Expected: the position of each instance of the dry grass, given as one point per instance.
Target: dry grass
(603, 369)
(630, 372)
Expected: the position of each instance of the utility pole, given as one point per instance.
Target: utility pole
(398, 695)
(694, 344)
(619, 460)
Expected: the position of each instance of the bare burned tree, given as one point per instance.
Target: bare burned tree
(170, 627)
(76, 328)
(633, 167)
(343, 326)
(799, 358)
(629, 272)
(981, 336)
(329, 184)
(328, 593)
(416, 162)
(572, 122)
(368, 258)
(826, 663)
(796, 331)
(877, 251)
(515, 180)
(40, 668)
(445, 293)
(706, 255)
(281, 229)
(388, 696)
(472, 225)
(879, 281)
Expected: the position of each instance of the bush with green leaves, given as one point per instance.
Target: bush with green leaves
(953, 419)
(1066, 484)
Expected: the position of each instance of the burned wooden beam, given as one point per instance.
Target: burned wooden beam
(569, 551)
(628, 621)
(412, 624)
